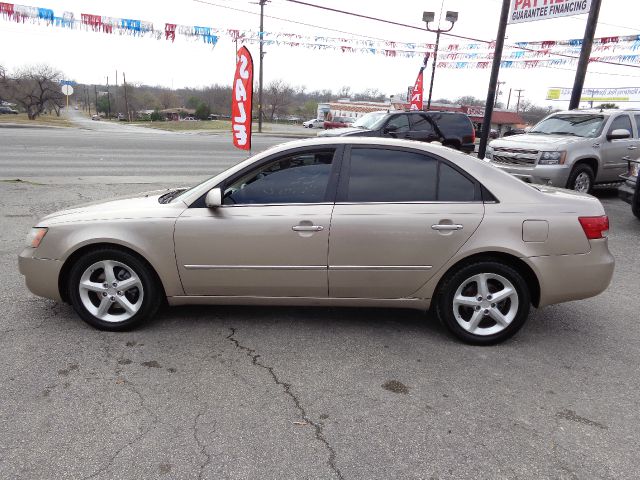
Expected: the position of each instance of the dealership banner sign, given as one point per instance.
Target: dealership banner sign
(630, 94)
(242, 100)
(531, 10)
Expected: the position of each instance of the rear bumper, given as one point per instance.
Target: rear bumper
(555, 175)
(564, 278)
(41, 275)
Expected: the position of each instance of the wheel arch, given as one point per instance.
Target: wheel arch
(590, 162)
(530, 277)
(63, 277)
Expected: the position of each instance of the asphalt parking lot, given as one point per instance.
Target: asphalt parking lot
(239, 392)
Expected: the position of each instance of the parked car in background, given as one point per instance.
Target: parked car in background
(95, 116)
(452, 129)
(190, 119)
(315, 123)
(8, 111)
(361, 222)
(213, 116)
(514, 131)
(576, 149)
(629, 191)
(338, 122)
(493, 133)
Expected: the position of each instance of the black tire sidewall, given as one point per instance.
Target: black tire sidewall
(150, 301)
(577, 170)
(455, 278)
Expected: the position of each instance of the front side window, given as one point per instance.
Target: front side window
(378, 175)
(621, 122)
(297, 178)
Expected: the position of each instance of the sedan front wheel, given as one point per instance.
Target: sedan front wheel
(483, 303)
(113, 290)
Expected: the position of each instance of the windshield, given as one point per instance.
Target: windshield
(370, 121)
(568, 124)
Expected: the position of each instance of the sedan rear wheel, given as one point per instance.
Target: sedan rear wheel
(113, 290)
(483, 303)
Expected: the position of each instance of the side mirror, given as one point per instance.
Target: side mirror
(619, 134)
(213, 198)
(390, 128)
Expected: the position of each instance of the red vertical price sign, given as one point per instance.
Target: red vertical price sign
(242, 101)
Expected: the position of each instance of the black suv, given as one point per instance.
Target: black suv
(452, 129)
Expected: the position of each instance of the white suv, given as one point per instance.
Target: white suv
(574, 149)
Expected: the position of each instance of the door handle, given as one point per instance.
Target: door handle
(443, 226)
(307, 228)
(631, 147)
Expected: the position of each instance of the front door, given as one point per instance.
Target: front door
(400, 216)
(270, 237)
(615, 153)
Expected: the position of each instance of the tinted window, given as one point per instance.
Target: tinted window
(300, 178)
(400, 121)
(453, 186)
(458, 123)
(637, 117)
(378, 175)
(419, 123)
(621, 121)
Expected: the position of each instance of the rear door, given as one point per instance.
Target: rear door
(400, 215)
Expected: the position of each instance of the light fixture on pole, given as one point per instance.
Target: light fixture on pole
(428, 17)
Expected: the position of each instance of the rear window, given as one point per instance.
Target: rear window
(453, 124)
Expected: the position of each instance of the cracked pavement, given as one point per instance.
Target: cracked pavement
(312, 393)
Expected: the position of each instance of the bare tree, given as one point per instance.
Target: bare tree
(35, 88)
(278, 95)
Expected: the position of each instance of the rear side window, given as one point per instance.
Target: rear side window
(378, 175)
(453, 186)
(420, 123)
(460, 124)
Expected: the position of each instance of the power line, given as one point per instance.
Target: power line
(406, 25)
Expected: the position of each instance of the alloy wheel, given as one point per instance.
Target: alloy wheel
(485, 304)
(582, 183)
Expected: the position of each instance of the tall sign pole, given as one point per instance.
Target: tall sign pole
(493, 80)
(585, 52)
(242, 100)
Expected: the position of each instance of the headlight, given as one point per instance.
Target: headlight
(35, 237)
(552, 158)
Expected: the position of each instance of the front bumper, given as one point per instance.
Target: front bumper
(564, 278)
(555, 175)
(41, 275)
(626, 191)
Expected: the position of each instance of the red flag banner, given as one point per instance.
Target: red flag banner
(416, 93)
(242, 100)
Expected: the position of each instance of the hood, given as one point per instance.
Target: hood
(141, 205)
(343, 132)
(537, 141)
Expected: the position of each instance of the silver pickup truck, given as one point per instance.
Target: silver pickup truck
(629, 191)
(574, 149)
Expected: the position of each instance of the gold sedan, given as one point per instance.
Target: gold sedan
(331, 221)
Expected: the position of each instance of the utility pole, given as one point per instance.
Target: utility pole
(585, 52)
(493, 80)
(519, 90)
(261, 34)
(108, 99)
(86, 95)
(509, 99)
(498, 92)
(95, 90)
(126, 102)
(115, 95)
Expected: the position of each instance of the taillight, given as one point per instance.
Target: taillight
(595, 227)
(473, 135)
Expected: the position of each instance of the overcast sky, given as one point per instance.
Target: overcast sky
(89, 57)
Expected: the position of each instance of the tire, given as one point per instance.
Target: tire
(120, 300)
(581, 178)
(476, 321)
(635, 201)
